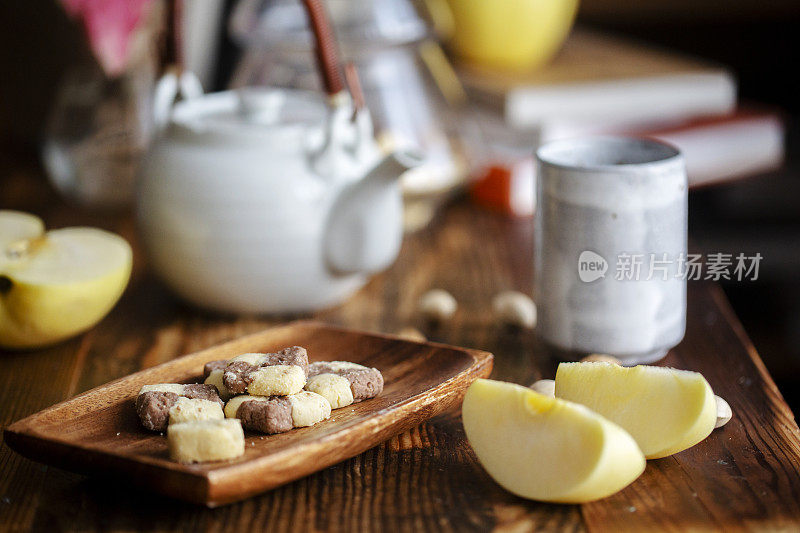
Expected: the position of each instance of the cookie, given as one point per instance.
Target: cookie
(260, 413)
(335, 388)
(343, 383)
(308, 408)
(205, 440)
(277, 414)
(277, 374)
(194, 409)
(212, 375)
(155, 403)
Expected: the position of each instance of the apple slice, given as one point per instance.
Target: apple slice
(18, 227)
(547, 449)
(58, 284)
(664, 409)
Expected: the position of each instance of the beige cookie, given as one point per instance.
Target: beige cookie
(252, 358)
(174, 388)
(194, 409)
(206, 440)
(334, 388)
(276, 380)
(308, 408)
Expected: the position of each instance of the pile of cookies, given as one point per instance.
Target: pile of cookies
(263, 392)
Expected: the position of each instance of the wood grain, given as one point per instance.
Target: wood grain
(746, 475)
(743, 477)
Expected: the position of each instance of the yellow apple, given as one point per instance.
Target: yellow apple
(57, 284)
(664, 409)
(547, 449)
(515, 35)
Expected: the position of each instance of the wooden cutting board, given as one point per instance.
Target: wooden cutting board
(99, 432)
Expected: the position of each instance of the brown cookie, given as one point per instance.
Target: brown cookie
(154, 402)
(271, 415)
(277, 414)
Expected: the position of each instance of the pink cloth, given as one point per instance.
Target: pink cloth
(109, 25)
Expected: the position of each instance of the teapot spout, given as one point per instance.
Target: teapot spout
(365, 225)
(394, 165)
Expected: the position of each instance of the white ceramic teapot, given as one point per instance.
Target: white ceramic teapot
(266, 201)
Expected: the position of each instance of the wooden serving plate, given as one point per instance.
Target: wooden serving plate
(98, 431)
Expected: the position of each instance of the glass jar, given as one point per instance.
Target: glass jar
(98, 129)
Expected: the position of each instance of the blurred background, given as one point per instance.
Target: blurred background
(476, 91)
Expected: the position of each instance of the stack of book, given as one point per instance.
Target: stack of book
(606, 85)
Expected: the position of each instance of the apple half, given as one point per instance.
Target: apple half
(664, 409)
(57, 284)
(547, 449)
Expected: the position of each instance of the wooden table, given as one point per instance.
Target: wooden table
(744, 476)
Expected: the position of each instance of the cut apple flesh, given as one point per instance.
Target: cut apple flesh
(547, 449)
(664, 409)
(71, 255)
(56, 285)
(16, 228)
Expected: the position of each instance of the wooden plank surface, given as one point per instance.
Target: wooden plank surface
(746, 476)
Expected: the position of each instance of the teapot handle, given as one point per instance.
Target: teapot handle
(173, 84)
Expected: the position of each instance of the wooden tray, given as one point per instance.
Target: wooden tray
(99, 432)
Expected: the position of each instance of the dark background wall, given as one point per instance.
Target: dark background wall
(37, 41)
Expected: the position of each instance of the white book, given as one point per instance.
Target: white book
(597, 77)
(716, 148)
(725, 151)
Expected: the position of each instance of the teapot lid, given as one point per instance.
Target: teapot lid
(359, 24)
(250, 113)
